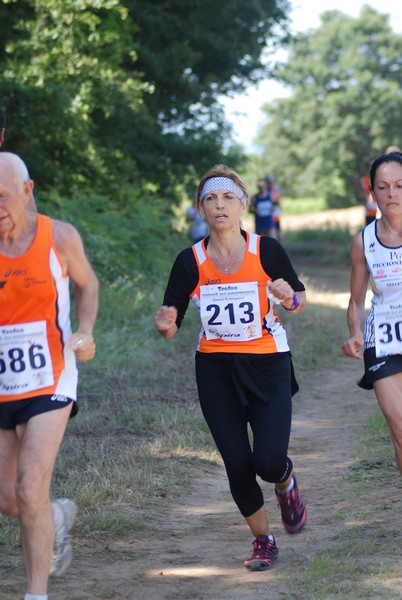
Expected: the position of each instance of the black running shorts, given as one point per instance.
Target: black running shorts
(376, 368)
(17, 412)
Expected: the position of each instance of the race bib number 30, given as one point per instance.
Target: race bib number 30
(25, 363)
(388, 329)
(231, 312)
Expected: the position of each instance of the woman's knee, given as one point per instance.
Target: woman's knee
(271, 468)
(239, 469)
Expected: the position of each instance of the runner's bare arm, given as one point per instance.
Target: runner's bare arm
(77, 266)
(359, 279)
(165, 321)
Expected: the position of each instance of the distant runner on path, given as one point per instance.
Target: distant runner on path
(261, 205)
(243, 364)
(376, 254)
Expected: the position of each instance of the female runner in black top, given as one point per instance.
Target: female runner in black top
(243, 363)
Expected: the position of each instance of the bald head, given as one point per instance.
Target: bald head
(13, 171)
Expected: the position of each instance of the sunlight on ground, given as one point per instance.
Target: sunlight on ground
(395, 585)
(192, 571)
(338, 300)
(235, 574)
(202, 510)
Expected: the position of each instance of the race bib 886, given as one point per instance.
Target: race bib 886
(25, 362)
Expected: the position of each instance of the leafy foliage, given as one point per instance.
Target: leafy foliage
(124, 244)
(346, 105)
(101, 93)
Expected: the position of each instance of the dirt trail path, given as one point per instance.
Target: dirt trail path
(201, 539)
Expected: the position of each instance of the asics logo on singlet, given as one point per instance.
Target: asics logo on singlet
(2, 284)
(15, 272)
(58, 398)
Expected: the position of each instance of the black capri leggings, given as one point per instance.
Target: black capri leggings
(235, 390)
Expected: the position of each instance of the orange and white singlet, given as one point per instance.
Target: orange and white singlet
(235, 311)
(35, 357)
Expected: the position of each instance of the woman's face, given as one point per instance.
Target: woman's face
(388, 188)
(222, 209)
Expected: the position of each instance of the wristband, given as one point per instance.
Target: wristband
(295, 304)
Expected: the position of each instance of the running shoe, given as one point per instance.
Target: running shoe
(62, 551)
(263, 555)
(293, 510)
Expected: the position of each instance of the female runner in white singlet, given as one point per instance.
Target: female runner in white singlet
(376, 254)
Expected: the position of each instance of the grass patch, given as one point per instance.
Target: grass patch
(315, 352)
(326, 246)
(376, 462)
(9, 533)
(334, 576)
(302, 206)
(110, 524)
(343, 571)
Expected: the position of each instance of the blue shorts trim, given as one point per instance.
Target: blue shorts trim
(18, 412)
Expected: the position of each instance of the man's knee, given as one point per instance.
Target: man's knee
(31, 492)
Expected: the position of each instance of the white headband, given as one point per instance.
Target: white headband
(222, 183)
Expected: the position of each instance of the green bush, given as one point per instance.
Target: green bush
(134, 242)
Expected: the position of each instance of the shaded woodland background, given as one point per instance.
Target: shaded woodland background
(120, 97)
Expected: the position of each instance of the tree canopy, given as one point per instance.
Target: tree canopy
(345, 107)
(104, 92)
